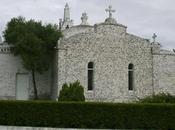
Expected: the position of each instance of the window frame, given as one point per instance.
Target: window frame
(90, 78)
(131, 77)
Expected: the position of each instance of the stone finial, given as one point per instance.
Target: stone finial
(66, 6)
(110, 10)
(154, 37)
(84, 19)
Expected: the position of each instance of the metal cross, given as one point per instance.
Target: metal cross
(154, 37)
(110, 10)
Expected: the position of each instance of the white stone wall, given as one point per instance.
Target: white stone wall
(111, 49)
(76, 30)
(10, 65)
(44, 83)
(54, 85)
(164, 73)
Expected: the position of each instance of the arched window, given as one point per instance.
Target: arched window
(90, 75)
(130, 76)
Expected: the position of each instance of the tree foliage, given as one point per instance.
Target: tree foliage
(33, 42)
(72, 92)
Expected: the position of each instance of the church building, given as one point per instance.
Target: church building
(111, 64)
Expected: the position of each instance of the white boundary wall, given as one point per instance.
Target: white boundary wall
(37, 128)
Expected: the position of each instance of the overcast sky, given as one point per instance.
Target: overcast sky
(142, 17)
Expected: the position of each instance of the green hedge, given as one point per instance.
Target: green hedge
(159, 98)
(72, 92)
(87, 115)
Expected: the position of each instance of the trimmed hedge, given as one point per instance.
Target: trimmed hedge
(159, 98)
(87, 115)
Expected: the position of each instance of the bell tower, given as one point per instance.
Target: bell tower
(66, 12)
(67, 22)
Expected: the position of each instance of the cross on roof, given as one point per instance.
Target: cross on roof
(110, 10)
(154, 37)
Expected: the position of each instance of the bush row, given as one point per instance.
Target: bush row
(87, 115)
(159, 98)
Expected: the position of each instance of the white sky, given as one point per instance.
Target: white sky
(142, 17)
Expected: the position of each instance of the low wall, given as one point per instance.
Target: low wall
(35, 128)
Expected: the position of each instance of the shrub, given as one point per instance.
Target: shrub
(73, 92)
(87, 115)
(159, 98)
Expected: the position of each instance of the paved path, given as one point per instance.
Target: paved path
(37, 128)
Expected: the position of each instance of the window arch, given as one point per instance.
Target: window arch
(90, 75)
(130, 76)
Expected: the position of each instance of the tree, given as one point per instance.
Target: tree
(34, 43)
(72, 92)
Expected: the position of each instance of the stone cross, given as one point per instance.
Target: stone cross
(154, 37)
(110, 10)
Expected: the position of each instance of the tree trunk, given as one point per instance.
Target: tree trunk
(34, 86)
